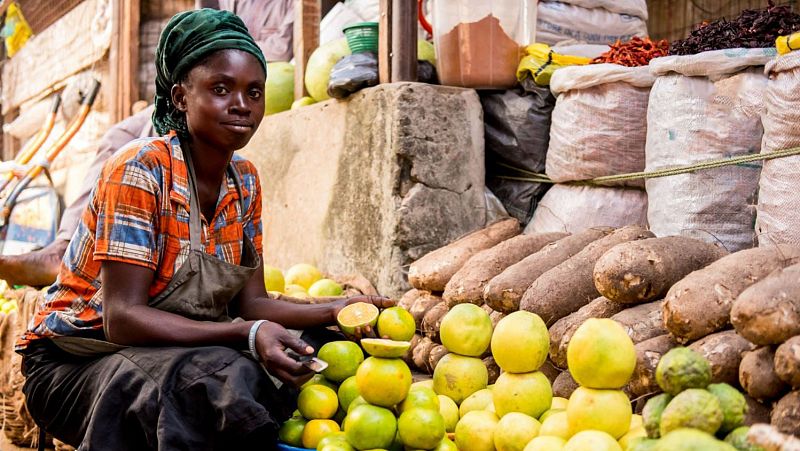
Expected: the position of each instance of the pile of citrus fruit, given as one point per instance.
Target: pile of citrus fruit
(376, 406)
(368, 403)
(300, 281)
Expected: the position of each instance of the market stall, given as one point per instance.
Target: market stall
(591, 234)
(653, 278)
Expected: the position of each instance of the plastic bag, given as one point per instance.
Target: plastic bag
(517, 133)
(573, 209)
(494, 208)
(599, 122)
(557, 21)
(786, 44)
(705, 107)
(360, 70)
(540, 61)
(778, 211)
(16, 30)
(426, 73)
(352, 74)
(519, 198)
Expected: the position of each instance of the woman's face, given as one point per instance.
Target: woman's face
(223, 97)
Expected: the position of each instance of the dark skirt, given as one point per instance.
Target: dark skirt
(160, 398)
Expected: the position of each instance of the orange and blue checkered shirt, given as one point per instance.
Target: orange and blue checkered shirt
(139, 214)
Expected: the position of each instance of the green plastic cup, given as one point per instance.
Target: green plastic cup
(362, 37)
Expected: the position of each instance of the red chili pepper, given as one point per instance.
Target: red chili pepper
(636, 52)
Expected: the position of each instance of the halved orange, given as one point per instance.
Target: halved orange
(389, 349)
(360, 314)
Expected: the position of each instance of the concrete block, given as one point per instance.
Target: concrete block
(372, 183)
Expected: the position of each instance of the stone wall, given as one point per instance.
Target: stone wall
(370, 184)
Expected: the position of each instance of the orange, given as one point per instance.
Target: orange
(302, 274)
(370, 427)
(291, 431)
(316, 430)
(348, 392)
(520, 342)
(360, 314)
(421, 428)
(317, 402)
(395, 323)
(466, 330)
(383, 382)
(390, 349)
(343, 359)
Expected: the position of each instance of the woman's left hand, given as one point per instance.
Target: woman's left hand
(378, 301)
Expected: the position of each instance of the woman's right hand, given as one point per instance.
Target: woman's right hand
(272, 341)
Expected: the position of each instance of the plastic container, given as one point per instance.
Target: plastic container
(479, 43)
(284, 447)
(362, 37)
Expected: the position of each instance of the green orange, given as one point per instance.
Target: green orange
(396, 323)
(370, 427)
(343, 359)
(317, 402)
(383, 382)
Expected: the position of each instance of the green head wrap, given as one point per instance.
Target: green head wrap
(186, 40)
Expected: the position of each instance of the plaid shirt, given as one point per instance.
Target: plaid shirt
(139, 214)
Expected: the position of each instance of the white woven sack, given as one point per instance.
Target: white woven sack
(706, 107)
(778, 219)
(636, 8)
(572, 209)
(557, 22)
(599, 124)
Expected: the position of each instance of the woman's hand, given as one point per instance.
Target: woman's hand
(271, 342)
(378, 301)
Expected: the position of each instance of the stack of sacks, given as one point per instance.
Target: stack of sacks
(599, 128)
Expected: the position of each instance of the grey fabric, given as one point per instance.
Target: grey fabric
(167, 398)
(271, 22)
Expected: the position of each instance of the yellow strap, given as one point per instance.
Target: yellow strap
(600, 181)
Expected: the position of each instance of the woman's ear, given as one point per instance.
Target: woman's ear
(178, 95)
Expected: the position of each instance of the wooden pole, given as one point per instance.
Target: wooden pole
(385, 41)
(404, 40)
(124, 58)
(306, 40)
(11, 145)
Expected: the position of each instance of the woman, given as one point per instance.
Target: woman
(135, 347)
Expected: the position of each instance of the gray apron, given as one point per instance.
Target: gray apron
(202, 287)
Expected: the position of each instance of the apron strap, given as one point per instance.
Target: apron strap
(195, 223)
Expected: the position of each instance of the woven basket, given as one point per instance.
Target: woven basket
(17, 424)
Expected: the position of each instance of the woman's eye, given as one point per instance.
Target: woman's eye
(256, 94)
(220, 90)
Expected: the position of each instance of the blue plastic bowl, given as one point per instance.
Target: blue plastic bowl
(285, 447)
